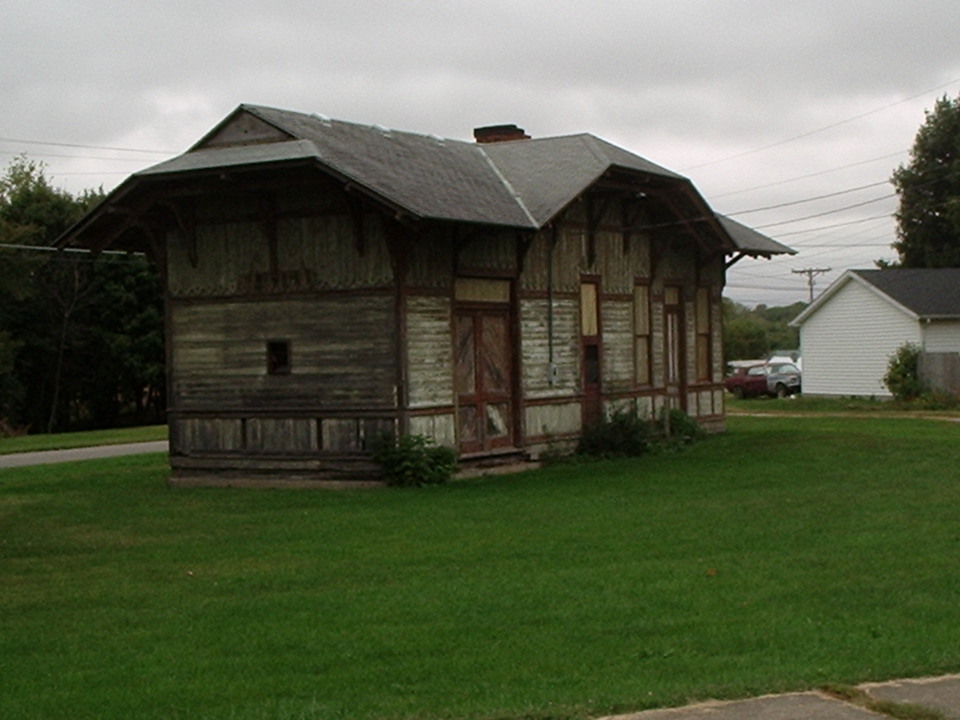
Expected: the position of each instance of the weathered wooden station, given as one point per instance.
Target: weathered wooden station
(329, 281)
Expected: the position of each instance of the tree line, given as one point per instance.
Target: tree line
(81, 337)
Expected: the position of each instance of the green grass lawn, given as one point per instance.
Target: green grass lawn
(62, 441)
(786, 554)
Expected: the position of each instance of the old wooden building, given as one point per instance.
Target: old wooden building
(328, 282)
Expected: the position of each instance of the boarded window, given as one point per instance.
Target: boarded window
(703, 333)
(589, 317)
(482, 290)
(278, 357)
(641, 333)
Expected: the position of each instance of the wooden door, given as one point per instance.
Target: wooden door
(484, 380)
(590, 347)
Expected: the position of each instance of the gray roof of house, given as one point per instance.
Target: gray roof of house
(927, 292)
(522, 184)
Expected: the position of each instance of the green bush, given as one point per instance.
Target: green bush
(677, 426)
(623, 434)
(413, 461)
(902, 377)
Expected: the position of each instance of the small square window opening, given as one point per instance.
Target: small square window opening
(278, 357)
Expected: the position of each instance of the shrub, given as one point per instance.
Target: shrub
(902, 377)
(412, 461)
(623, 434)
(677, 426)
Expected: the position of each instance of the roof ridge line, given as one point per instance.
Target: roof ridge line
(506, 183)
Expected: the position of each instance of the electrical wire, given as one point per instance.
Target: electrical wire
(820, 129)
(85, 147)
(809, 199)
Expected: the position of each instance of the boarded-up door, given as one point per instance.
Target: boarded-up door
(484, 386)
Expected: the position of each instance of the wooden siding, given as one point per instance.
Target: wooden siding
(941, 336)
(538, 378)
(227, 259)
(429, 352)
(219, 354)
(441, 428)
(618, 348)
(555, 420)
(847, 342)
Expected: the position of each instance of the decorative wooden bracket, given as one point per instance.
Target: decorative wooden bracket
(355, 207)
(632, 214)
(596, 211)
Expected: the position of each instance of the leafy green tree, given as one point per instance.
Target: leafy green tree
(755, 333)
(928, 219)
(81, 339)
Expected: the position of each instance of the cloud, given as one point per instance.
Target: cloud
(695, 85)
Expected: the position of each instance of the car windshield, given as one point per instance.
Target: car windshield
(783, 369)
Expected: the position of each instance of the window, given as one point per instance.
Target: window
(641, 334)
(673, 333)
(278, 357)
(703, 334)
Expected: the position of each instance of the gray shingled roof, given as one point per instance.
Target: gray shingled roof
(749, 240)
(522, 184)
(927, 292)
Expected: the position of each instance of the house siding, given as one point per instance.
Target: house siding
(847, 342)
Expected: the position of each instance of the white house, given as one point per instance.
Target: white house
(848, 334)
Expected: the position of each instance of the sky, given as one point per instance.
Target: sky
(788, 116)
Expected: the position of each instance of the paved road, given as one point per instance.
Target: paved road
(86, 453)
(933, 694)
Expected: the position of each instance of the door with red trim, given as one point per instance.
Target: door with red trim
(590, 348)
(484, 379)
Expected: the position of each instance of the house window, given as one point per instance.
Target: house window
(641, 333)
(703, 333)
(278, 357)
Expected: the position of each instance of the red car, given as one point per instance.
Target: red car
(777, 379)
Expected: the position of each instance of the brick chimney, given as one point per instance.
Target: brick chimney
(499, 133)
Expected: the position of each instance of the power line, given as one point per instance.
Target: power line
(835, 225)
(820, 129)
(76, 157)
(810, 199)
(826, 212)
(810, 175)
(85, 147)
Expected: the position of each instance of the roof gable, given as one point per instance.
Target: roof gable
(241, 128)
(927, 292)
(922, 293)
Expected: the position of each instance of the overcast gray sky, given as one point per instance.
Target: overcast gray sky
(760, 103)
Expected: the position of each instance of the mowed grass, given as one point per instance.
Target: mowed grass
(786, 554)
(63, 441)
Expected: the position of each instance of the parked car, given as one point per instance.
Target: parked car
(786, 356)
(777, 379)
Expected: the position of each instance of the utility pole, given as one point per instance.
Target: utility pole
(811, 273)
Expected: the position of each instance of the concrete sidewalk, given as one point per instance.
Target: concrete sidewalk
(941, 694)
(46, 457)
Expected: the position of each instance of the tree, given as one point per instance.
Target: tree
(81, 338)
(754, 334)
(928, 219)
